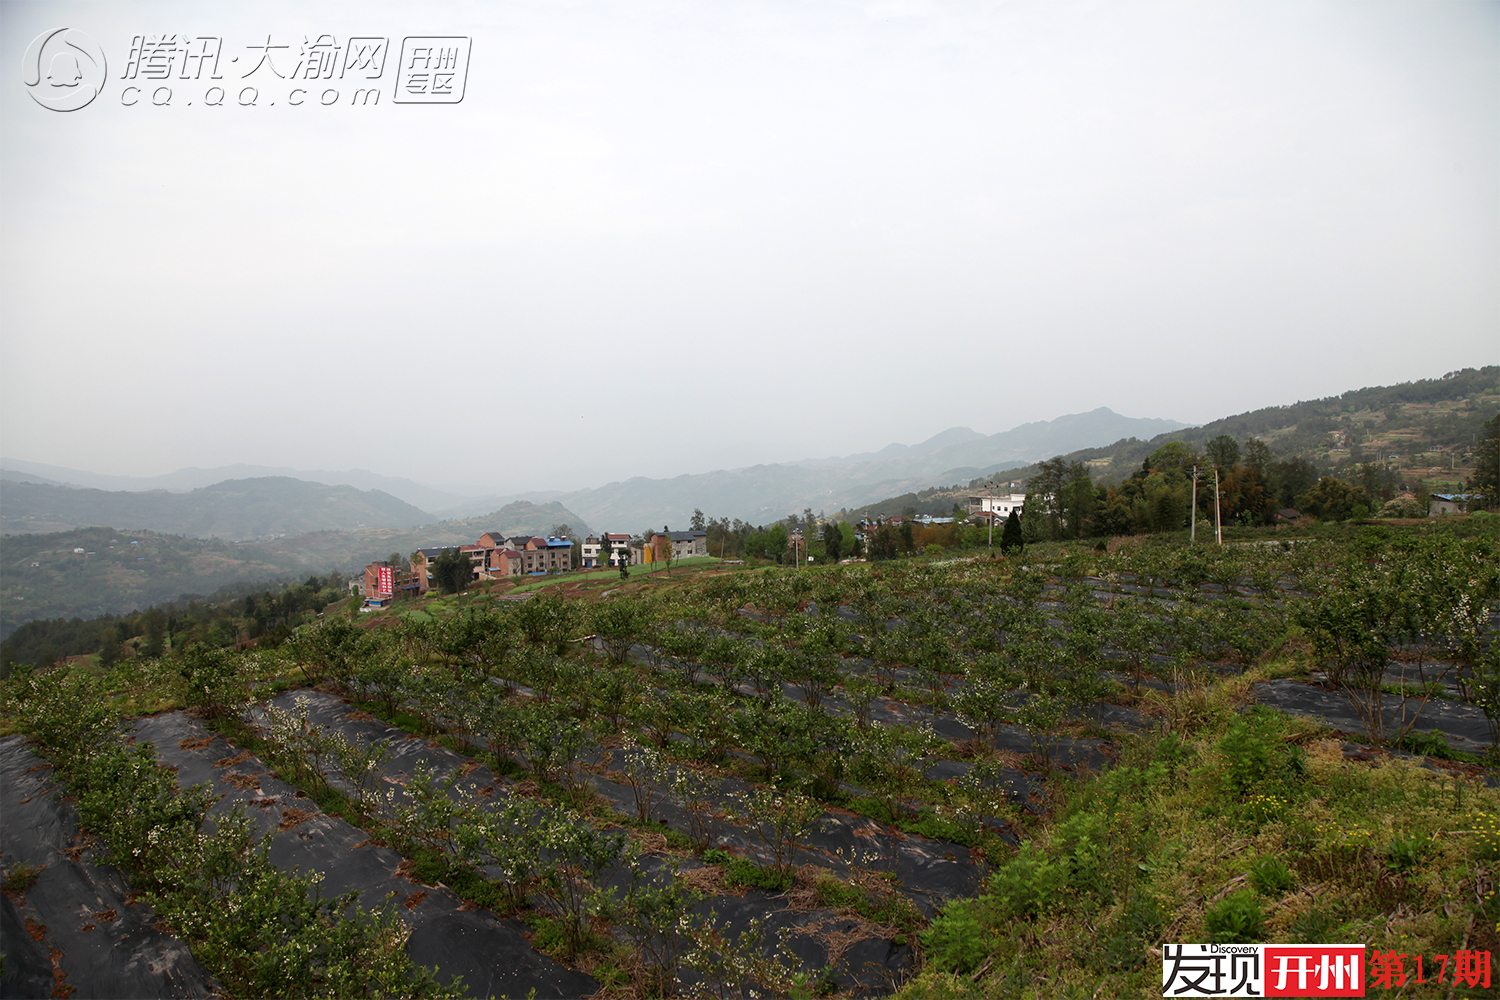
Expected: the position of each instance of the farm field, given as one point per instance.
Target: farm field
(1002, 777)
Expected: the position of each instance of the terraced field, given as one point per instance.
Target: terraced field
(983, 776)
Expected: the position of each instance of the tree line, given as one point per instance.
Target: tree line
(266, 615)
(1249, 484)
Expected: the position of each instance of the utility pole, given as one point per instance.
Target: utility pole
(990, 489)
(1218, 528)
(1193, 520)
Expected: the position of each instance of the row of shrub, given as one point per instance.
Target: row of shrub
(260, 931)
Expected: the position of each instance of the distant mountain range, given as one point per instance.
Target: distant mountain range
(759, 494)
(257, 510)
(344, 525)
(183, 480)
(764, 493)
(959, 449)
(235, 509)
(120, 569)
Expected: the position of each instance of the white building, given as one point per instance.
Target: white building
(990, 504)
(618, 547)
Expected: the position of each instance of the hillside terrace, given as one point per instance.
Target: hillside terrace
(496, 557)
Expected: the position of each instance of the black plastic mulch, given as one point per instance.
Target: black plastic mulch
(491, 954)
(928, 872)
(862, 955)
(104, 941)
(1463, 725)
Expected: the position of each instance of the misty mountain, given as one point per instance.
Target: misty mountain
(123, 570)
(519, 517)
(118, 571)
(16, 476)
(959, 448)
(758, 494)
(952, 437)
(183, 480)
(764, 493)
(1434, 416)
(233, 509)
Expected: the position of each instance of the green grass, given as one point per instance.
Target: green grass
(20, 878)
(613, 575)
(742, 873)
(1083, 907)
(926, 822)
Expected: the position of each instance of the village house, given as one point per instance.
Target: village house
(502, 556)
(421, 561)
(1447, 503)
(619, 548)
(495, 557)
(504, 562)
(402, 583)
(988, 504)
(605, 550)
(685, 544)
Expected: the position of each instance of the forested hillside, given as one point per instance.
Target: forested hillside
(121, 571)
(234, 509)
(521, 517)
(1384, 439)
(1418, 423)
(90, 572)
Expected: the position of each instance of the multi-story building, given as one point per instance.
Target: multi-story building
(618, 547)
(495, 557)
(686, 544)
(503, 562)
(987, 504)
(544, 555)
(421, 566)
(403, 583)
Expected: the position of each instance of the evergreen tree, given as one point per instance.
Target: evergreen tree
(885, 542)
(1486, 478)
(452, 571)
(833, 540)
(1011, 539)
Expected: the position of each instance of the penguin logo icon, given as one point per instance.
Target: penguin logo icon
(63, 69)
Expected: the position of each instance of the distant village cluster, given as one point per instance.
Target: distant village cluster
(497, 557)
(494, 556)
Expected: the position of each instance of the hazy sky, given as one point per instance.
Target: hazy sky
(662, 238)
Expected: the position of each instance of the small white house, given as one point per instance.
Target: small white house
(1447, 503)
(997, 505)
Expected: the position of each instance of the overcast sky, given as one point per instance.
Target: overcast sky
(664, 238)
